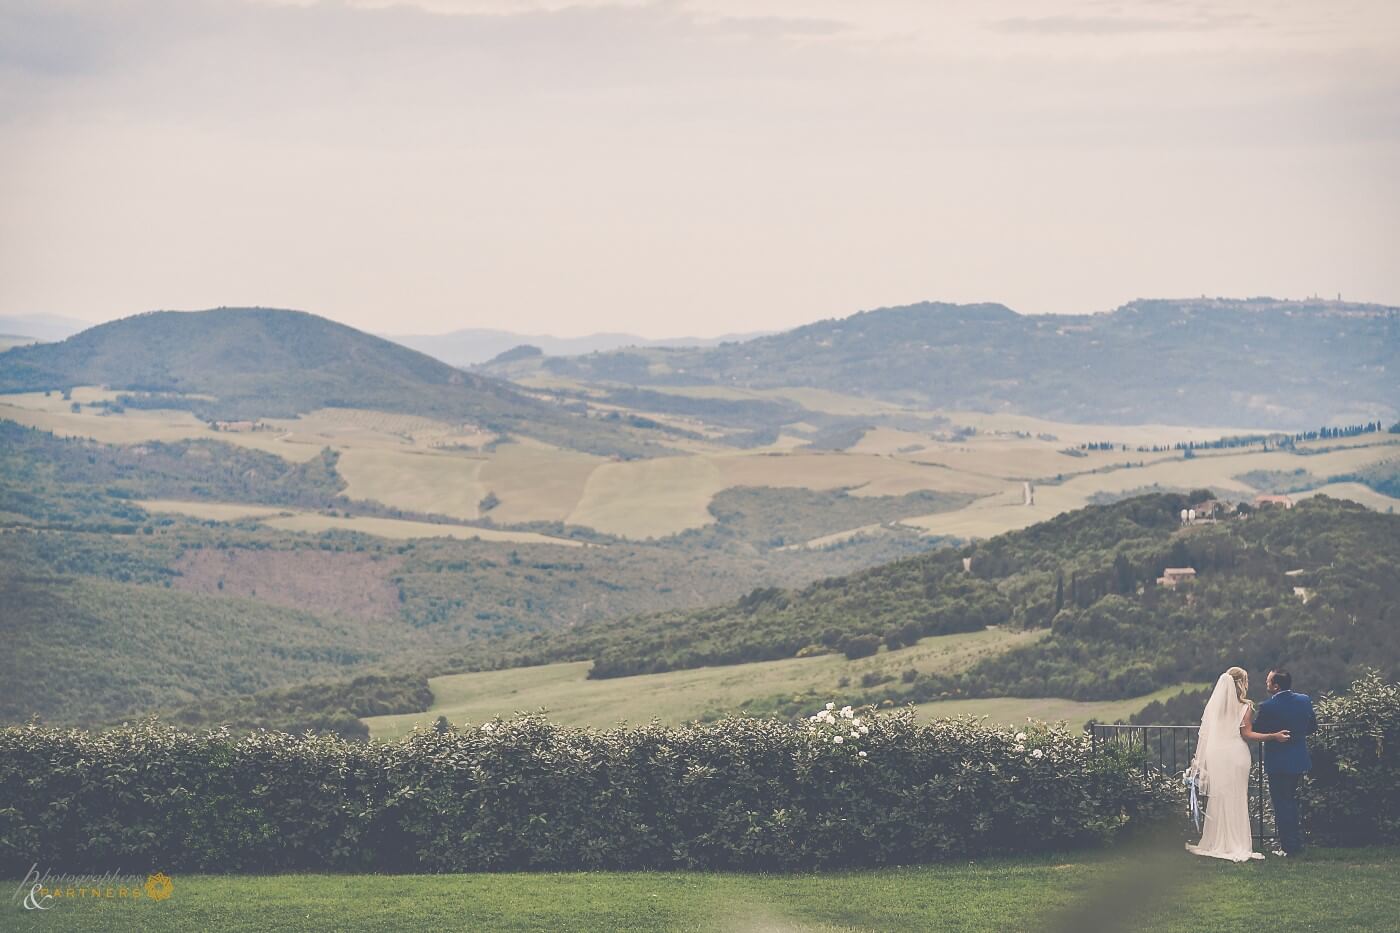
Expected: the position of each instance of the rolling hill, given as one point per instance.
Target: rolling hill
(1312, 586)
(112, 604)
(238, 363)
(1064, 618)
(474, 345)
(1258, 362)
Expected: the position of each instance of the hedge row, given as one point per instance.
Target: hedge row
(835, 791)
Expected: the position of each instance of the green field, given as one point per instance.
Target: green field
(1047, 709)
(1160, 890)
(679, 696)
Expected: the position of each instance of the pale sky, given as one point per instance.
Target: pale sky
(691, 166)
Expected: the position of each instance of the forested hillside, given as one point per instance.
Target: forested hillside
(1313, 587)
(1258, 362)
(108, 610)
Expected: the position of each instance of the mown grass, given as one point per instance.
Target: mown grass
(1161, 890)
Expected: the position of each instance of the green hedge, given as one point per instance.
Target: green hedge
(527, 794)
(1352, 796)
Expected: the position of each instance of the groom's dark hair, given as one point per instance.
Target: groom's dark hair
(1282, 679)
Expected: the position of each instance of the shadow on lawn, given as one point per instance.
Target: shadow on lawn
(1156, 871)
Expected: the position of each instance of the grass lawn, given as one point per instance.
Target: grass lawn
(1349, 889)
(1049, 709)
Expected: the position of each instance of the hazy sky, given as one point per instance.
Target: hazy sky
(691, 166)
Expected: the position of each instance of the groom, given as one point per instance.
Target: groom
(1286, 762)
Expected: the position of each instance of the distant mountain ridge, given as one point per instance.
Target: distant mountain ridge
(475, 345)
(41, 326)
(1257, 362)
(262, 362)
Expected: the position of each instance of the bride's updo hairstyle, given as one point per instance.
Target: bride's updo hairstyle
(1241, 677)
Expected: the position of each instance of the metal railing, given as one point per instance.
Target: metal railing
(1169, 749)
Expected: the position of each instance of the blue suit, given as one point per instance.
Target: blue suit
(1287, 762)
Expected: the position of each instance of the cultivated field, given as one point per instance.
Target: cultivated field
(993, 515)
(316, 522)
(536, 482)
(649, 498)
(837, 403)
(212, 511)
(680, 696)
(429, 466)
(415, 480)
(358, 427)
(1356, 492)
(134, 426)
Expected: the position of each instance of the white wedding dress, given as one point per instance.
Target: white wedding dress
(1221, 768)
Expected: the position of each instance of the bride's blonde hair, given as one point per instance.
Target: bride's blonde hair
(1241, 677)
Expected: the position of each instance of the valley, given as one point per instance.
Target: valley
(557, 525)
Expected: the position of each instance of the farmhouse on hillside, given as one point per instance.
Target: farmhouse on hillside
(1174, 575)
(1209, 509)
(1284, 501)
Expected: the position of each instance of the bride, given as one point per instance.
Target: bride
(1221, 768)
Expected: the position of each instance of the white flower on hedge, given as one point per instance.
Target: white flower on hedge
(847, 712)
(1020, 736)
(1019, 748)
(861, 754)
(855, 734)
(487, 727)
(864, 730)
(838, 740)
(831, 706)
(1037, 754)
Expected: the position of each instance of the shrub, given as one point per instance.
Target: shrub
(527, 794)
(1353, 793)
(861, 646)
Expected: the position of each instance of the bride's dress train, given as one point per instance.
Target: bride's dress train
(1221, 768)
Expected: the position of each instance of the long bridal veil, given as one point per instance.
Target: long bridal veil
(1220, 729)
(1221, 769)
